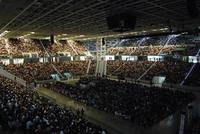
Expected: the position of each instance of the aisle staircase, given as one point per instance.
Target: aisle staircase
(12, 77)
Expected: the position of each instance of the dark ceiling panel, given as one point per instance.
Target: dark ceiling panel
(87, 17)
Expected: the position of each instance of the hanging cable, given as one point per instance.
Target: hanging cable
(51, 63)
(167, 42)
(190, 71)
(18, 15)
(139, 43)
(71, 43)
(69, 15)
(49, 12)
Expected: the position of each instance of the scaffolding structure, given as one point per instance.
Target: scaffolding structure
(101, 66)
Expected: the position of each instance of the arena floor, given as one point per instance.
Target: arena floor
(112, 123)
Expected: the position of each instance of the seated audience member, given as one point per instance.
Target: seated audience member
(142, 105)
(24, 111)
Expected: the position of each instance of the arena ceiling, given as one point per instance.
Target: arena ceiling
(87, 18)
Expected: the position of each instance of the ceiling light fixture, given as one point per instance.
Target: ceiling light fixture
(24, 36)
(154, 30)
(81, 35)
(163, 29)
(184, 33)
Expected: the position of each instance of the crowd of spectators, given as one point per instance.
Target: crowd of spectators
(155, 50)
(194, 126)
(174, 72)
(147, 46)
(21, 47)
(58, 47)
(175, 45)
(67, 46)
(3, 48)
(24, 111)
(78, 46)
(43, 71)
(144, 106)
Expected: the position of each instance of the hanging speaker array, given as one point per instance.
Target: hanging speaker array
(121, 21)
(192, 9)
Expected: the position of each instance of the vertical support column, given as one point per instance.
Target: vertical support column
(182, 123)
(100, 57)
(98, 44)
(88, 68)
(105, 68)
(7, 46)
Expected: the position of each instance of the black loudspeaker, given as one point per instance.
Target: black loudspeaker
(192, 8)
(52, 39)
(103, 41)
(121, 22)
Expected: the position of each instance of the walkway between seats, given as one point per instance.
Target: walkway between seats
(113, 124)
